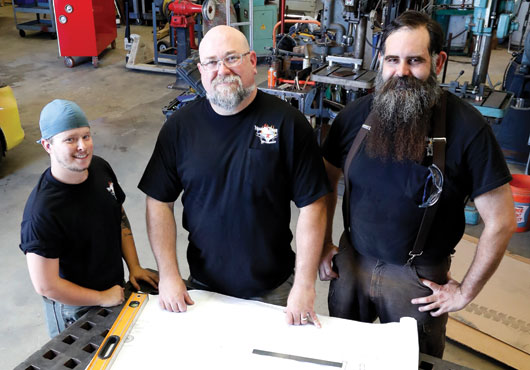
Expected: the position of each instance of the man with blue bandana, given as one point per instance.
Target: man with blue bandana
(74, 231)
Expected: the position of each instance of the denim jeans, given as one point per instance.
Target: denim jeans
(277, 296)
(368, 289)
(59, 316)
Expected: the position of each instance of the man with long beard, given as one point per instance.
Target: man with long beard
(379, 270)
(239, 157)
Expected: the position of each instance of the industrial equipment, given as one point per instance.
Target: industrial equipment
(488, 15)
(453, 17)
(180, 14)
(490, 18)
(344, 61)
(513, 132)
(84, 29)
(264, 18)
(183, 28)
(334, 51)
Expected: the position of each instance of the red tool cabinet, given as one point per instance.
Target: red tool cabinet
(84, 28)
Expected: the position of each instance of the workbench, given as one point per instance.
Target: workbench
(76, 346)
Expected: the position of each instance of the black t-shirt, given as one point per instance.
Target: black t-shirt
(385, 195)
(78, 224)
(238, 175)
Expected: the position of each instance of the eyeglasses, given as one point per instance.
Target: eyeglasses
(433, 184)
(230, 61)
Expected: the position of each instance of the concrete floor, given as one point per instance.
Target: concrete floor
(125, 111)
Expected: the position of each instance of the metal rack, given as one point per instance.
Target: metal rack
(39, 24)
(250, 22)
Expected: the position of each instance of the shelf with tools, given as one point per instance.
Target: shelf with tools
(41, 10)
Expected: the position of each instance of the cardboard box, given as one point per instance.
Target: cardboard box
(497, 321)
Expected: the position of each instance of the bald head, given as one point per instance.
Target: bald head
(223, 37)
(227, 68)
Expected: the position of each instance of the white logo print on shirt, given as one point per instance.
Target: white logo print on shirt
(267, 134)
(110, 189)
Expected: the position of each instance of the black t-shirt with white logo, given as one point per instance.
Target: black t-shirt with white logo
(385, 195)
(238, 175)
(78, 224)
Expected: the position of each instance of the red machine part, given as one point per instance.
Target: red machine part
(182, 17)
(84, 28)
(184, 7)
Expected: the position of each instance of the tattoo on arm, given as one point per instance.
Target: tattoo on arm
(125, 224)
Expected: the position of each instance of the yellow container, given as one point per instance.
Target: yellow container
(10, 127)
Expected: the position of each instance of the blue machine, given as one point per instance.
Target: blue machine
(513, 133)
(489, 16)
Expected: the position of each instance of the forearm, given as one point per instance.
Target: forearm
(44, 274)
(128, 246)
(162, 233)
(496, 209)
(66, 292)
(310, 232)
(490, 250)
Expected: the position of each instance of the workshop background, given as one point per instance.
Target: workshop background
(124, 108)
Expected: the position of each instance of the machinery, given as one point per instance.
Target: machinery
(339, 51)
(513, 132)
(265, 17)
(337, 47)
(321, 65)
(487, 15)
(344, 52)
(181, 16)
(489, 18)
(186, 21)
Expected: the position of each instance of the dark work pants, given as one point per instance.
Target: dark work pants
(368, 289)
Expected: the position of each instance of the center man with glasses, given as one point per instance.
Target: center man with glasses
(239, 157)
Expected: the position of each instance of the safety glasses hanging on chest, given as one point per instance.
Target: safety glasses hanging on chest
(433, 186)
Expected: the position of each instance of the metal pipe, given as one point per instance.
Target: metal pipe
(309, 83)
(339, 28)
(360, 35)
(251, 21)
(348, 38)
(475, 56)
(282, 16)
(481, 70)
(326, 16)
(127, 24)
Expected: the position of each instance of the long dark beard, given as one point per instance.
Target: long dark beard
(403, 107)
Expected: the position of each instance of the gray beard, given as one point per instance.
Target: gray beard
(229, 98)
(403, 106)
